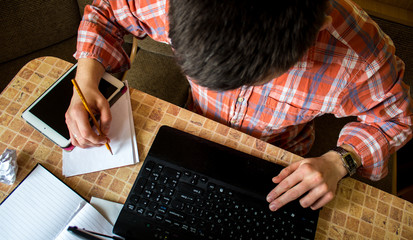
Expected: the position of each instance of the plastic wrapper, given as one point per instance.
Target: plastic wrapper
(8, 166)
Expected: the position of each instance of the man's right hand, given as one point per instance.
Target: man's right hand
(88, 75)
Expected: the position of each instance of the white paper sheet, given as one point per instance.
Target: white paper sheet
(110, 210)
(122, 141)
(90, 219)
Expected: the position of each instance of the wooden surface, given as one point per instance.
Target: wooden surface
(359, 211)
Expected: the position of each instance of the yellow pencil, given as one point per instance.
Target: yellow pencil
(95, 122)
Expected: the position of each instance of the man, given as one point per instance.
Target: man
(267, 68)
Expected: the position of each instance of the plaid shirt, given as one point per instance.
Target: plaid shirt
(350, 71)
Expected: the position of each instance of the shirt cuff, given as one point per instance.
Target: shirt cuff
(370, 145)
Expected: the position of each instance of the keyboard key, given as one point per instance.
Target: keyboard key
(162, 209)
(203, 179)
(211, 187)
(177, 204)
(176, 215)
(186, 187)
(154, 176)
(147, 193)
(134, 198)
(172, 173)
(130, 207)
(165, 200)
(195, 179)
(163, 180)
(169, 192)
(158, 168)
(168, 220)
(156, 197)
(185, 227)
(160, 188)
(172, 183)
(185, 197)
(187, 174)
(140, 185)
(143, 202)
(148, 169)
(153, 206)
(140, 210)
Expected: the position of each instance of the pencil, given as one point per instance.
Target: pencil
(95, 122)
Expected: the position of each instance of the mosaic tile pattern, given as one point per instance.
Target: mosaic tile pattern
(359, 211)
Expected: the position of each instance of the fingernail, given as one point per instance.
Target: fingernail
(273, 207)
(269, 199)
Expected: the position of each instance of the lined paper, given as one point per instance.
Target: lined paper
(39, 208)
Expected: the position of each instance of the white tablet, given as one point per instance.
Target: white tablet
(47, 113)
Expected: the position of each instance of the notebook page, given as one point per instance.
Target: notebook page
(109, 210)
(90, 219)
(122, 141)
(38, 208)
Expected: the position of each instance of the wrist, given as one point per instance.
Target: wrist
(335, 159)
(348, 157)
(89, 72)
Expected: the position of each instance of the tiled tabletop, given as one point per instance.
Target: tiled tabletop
(359, 211)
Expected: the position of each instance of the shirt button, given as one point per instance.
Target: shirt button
(240, 99)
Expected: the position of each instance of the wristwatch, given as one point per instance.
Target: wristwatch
(348, 160)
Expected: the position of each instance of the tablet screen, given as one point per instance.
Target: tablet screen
(51, 109)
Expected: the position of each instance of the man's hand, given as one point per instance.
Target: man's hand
(317, 178)
(88, 75)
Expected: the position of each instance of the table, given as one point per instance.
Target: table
(358, 211)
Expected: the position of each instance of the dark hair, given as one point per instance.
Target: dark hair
(225, 44)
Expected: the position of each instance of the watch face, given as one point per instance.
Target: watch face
(350, 161)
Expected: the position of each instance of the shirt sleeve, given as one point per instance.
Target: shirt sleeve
(101, 32)
(382, 103)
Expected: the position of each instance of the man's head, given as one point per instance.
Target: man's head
(225, 44)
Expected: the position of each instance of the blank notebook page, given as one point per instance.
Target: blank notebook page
(39, 208)
(88, 218)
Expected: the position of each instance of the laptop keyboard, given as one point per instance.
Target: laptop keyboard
(180, 204)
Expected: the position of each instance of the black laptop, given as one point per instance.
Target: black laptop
(192, 188)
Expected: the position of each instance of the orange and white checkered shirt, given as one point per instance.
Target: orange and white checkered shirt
(350, 71)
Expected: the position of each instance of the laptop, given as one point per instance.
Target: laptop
(192, 188)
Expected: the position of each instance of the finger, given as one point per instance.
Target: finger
(72, 127)
(73, 139)
(322, 201)
(79, 125)
(290, 195)
(84, 142)
(105, 118)
(89, 138)
(317, 197)
(86, 136)
(290, 181)
(286, 172)
(77, 139)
